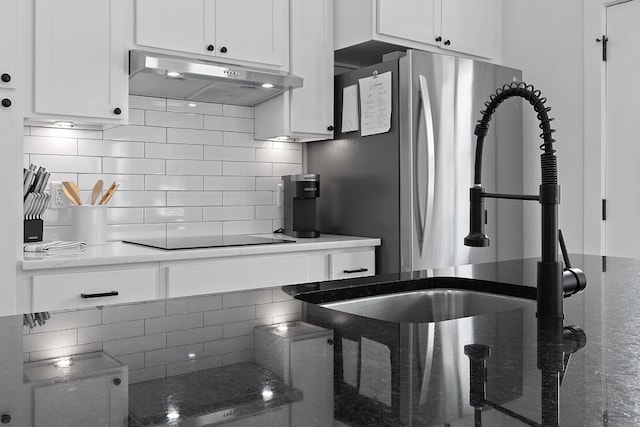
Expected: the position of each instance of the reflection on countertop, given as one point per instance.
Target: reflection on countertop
(385, 373)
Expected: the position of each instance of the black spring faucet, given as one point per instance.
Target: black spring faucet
(554, 281)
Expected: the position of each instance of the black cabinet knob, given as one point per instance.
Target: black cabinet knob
(117, 111)
(330, 341)
(5, 418)
(5, 77)
(447, 42)
(210, 48)
(117, 381)
(438, 39)
(6, 103)
(223, 49)
(329, 128)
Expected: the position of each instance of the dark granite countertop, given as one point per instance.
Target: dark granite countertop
(418, 374)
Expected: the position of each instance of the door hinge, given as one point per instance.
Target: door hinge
(604, 209)
(604, 41)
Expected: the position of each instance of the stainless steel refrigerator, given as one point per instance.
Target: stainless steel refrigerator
(410, 185)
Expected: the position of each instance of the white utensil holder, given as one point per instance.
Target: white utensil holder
(89, 224)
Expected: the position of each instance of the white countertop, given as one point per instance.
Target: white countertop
(125, 253)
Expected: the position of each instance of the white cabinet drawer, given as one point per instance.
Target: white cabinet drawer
(237, 274)
(351, 264)
(77, 290)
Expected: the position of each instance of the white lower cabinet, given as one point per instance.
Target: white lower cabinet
(351, 264)
(87, 289)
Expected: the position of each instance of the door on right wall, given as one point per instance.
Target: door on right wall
(622, 138)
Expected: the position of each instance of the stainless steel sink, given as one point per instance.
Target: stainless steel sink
(429, 305)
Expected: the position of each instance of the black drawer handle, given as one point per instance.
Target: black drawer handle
(357, 270)
(104, 294)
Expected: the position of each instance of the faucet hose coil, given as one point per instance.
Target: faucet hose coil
(548, 159)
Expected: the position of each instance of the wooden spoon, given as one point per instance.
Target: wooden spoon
(71, 191)
(97, 188)
(109, 193)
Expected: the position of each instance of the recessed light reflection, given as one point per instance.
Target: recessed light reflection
(63, 124)
(192, 355)
(283, 328)
(63, 363)
(173, 415)
(267, 394)
(173, 74)
(267, 85)
(192, 104)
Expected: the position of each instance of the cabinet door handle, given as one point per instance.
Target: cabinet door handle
(223, 49)
(357, 270)
(330, 128)
(6, 102)
(447, 42)
(5, 419)
(117, 111)
(210, 48)
(438, 39)
(5, 77)
(104, 294)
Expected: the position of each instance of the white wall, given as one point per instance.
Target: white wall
(545, 39)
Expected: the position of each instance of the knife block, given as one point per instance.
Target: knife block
(33, 230)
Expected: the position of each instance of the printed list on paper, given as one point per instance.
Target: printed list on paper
(375, 104)
(350, 109)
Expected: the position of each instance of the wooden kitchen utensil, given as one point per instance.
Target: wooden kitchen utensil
(70, 190)
(97, 188)
(109, 193)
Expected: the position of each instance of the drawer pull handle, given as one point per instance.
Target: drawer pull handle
(357, 270)
(104, 294)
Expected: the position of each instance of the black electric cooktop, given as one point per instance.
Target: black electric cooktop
(175, 243)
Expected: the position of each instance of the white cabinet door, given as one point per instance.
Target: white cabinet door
(312, 59)
(467, 26)
(12, 397)
(185, 26)
(252, 30)
(409, 19)
(80, 56)
(8, 47)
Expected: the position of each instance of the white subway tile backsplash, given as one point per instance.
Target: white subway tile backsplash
(73, 164)
(133, 361)
(147, 103)
(167, 182)
(136, 133)
(105, 148)
(278, 308)
(280, 169)
(64, 351)
(237, 154)
(231, 330)
(125, 215)
(194, 198)
(91, 334)
(278, 156)
(128, 312)
(227, 213)
(184, 169)
(26, 131)
(194, 336)
(137, 344)
(194, 229)
(173, 120)
(133, 166)
(230, 345)
(240, 139)
(173, 354)
(66, 133)
(180, 106)
(50, 145)
(194, 365)
(127, 182)
(238, 299)
(193, 167)
(192, 305)
(71, 319)
(125, 199)
(173, 151)
(246, 169)
(229, 124)
(194, 136)
(136, 117)
(172, 214)
(244, 183)
(244, 198)
(174, 323)
(50, 340)
(147, 374)
(239, 357)
(237, 111)
(230, 315)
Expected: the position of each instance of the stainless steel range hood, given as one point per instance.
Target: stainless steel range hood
(175, 77)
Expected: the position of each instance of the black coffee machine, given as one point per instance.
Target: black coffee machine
(300, 194)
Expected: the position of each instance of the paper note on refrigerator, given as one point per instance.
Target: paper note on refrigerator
(375, 103)
(350, 109)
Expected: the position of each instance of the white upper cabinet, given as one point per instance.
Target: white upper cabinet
(305, 113)
(242, 30)
(80, 60)
(465, 26)
(8, 47)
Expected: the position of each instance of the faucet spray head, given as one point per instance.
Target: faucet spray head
(476, 237)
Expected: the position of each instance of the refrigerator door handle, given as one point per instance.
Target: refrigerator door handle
(423, 220)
